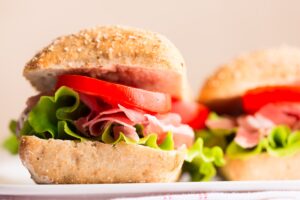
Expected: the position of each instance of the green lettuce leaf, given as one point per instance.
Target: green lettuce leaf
(123, 138)
(201, 161)
(106, 136)
(168, 143)
(53, 116)
(149, 141)
(235, 151)
(281, 141)
(65, 132)
(11, 143)
(210, 139)
(213, 116)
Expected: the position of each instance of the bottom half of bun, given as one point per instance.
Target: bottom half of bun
(73, 162)
(262, 167)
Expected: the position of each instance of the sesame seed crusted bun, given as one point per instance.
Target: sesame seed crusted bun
(222, 92)
(117, 54)
(124, 55)
(278, 66)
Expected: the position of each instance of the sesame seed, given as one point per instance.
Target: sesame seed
(105, 36)
(57, 41)
(118, 34)
(51, 48)
(110, 52)
(97, 40)
(98, 45)
(131, 37)
(87, 37)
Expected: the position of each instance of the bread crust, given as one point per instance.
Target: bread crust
(262, 167)
(278, 66)
(120, 54)
(71, 162)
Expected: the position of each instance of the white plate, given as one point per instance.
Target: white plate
(97, 191)
(15, 182)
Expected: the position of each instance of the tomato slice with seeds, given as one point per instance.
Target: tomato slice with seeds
(256, 98)
(114, 94)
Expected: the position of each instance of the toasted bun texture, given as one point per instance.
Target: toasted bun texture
(262, 167)
(67, 162)
(278, 66)
(118, 54)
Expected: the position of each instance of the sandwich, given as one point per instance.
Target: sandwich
(255, 100)
(103, 112)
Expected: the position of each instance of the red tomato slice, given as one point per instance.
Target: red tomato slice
(192, 113)
(118, 94)
(256, 98)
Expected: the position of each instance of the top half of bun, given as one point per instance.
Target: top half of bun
(118, 54)
(278, 66)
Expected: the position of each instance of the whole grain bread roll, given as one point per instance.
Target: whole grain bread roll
(123, 55)
(222, 92)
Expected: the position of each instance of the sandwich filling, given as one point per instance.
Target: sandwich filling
(271, 124)
(73, 115)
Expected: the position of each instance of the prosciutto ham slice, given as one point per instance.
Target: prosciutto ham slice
(130, 132)
(282, 113)
(125, 118)
(251, 128)
(222, 123)
(182, 134)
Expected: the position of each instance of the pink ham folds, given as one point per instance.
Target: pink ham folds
(254, 127)
(251, 128)
(221, 123)
(125, 120)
